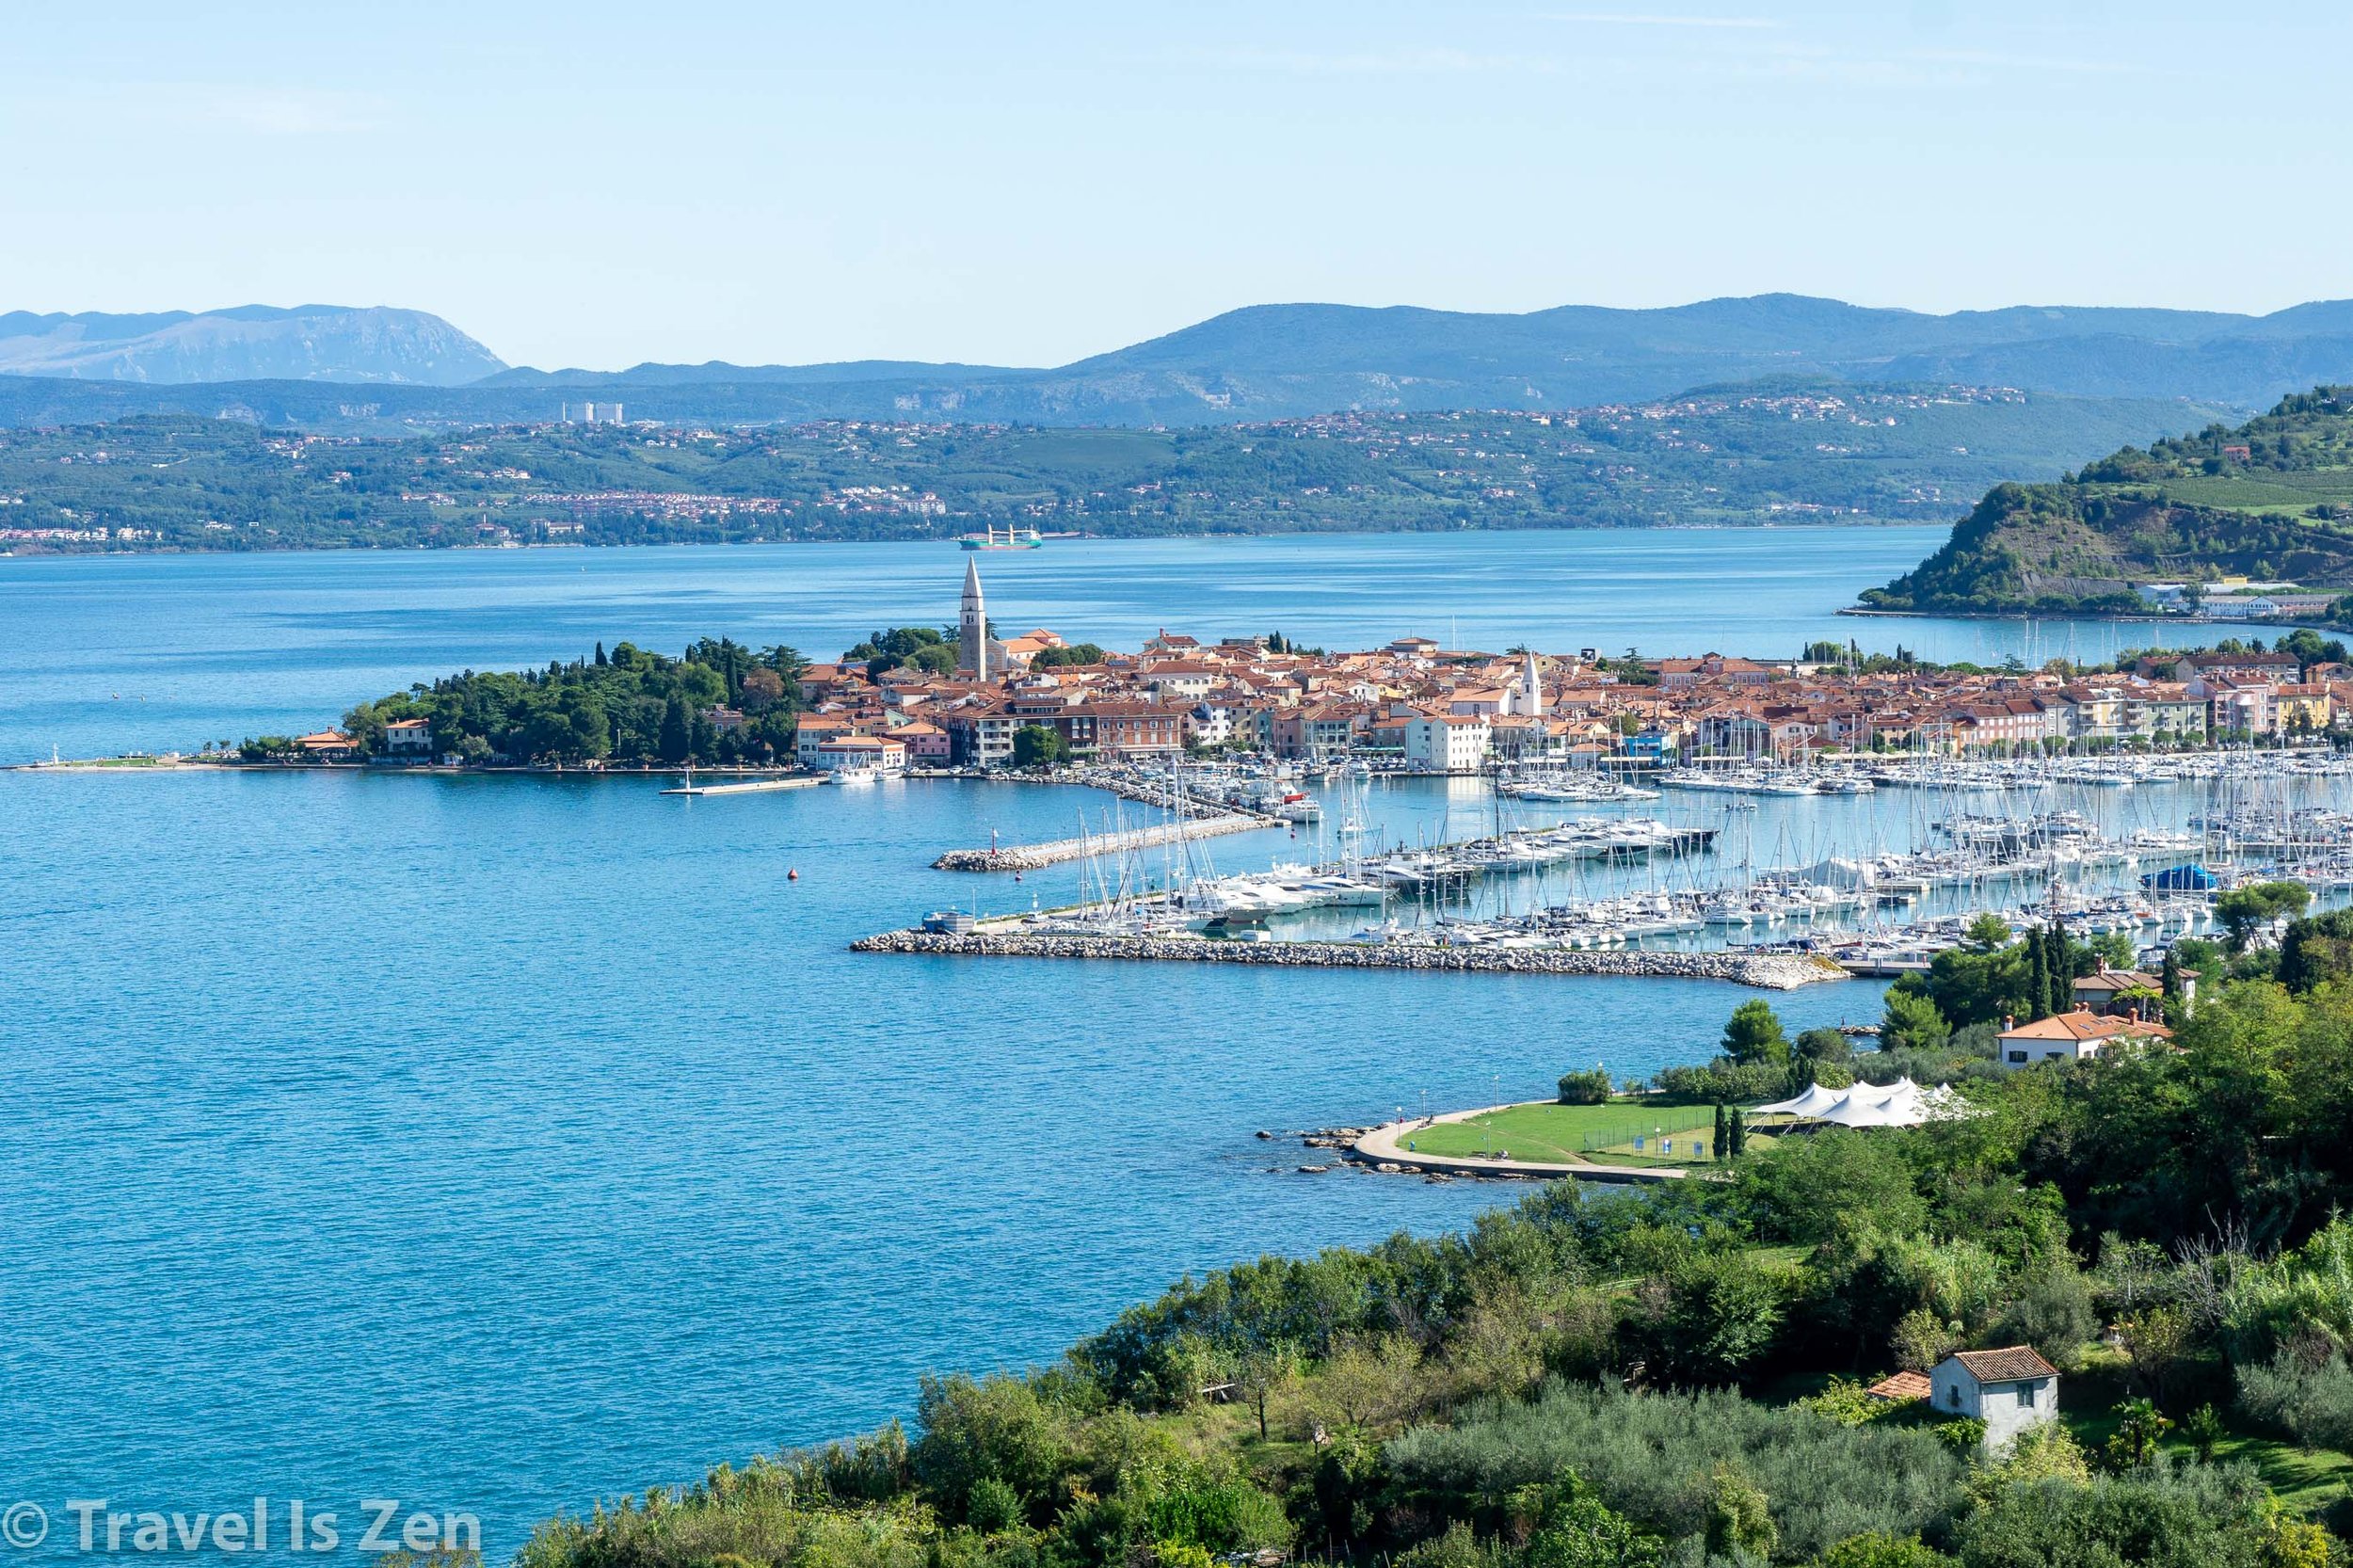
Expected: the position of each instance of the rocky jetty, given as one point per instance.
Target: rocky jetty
(1772, 971)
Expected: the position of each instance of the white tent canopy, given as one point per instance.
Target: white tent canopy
(1816, 1100)
(1902, 1103)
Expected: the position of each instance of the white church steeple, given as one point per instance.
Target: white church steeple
(972, 626)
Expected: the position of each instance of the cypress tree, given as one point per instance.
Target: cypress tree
(2037, 976)
(601, 660)
(1722, 1144)
(2060, 957)
(1736, 1134)
(2171, 974)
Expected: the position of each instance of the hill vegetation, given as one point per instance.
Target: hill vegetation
(2270, 500)
(1789, 452)
(1260, 363)
(1676, 1376)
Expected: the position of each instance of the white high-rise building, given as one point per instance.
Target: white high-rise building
(972, 626)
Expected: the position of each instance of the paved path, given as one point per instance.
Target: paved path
(1385, 1145)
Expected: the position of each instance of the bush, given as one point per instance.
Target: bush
(1587, 1086)
(1653, 1457)
(1881, 1551)
(2306, 1396)
(2053, 1313)
(2194, 1516)
(1726, 1082)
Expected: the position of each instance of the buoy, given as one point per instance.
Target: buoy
(793, 875)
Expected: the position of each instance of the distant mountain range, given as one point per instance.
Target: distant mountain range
(1268, 361)
(248, 343)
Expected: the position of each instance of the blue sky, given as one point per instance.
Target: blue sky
(598, 184)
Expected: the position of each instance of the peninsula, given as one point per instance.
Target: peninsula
(2251, 522)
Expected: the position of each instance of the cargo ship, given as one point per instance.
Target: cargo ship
(1012, 538)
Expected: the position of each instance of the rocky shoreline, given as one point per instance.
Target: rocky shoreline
(1772, 971)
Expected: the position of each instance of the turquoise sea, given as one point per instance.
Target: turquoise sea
(501, 1144)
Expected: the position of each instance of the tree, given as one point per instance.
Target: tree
(1988, 932)
(678, 732)
(1753, 1034)
(1034, 745)
(1736, 1133)
(1824, 1044)
(1722, 1144)
(764, 689)
(1912, 1023)
(1707, 1317)
(2313, 952)
(2246, 910)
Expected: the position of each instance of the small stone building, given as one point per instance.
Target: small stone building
(2009, 1390)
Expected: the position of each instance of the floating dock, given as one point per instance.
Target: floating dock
(1030, 858)
(744, 787)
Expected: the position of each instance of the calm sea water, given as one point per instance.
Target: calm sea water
(504, 1144)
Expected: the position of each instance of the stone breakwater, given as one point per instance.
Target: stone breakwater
(1773, 971)
(1030, 858)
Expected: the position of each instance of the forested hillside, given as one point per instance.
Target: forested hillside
(2271, 499)
(1791, 452)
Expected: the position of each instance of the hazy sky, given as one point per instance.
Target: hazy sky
(597, 184)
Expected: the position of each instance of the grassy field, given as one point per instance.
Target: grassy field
(2264, 491)
(1567, 1134)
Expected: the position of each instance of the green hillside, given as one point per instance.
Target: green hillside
(2270, 500)
(1785, 452)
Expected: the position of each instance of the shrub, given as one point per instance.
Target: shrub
(2306, 1396)
(2194, 1516)
(1877, 1550)
(2053, 1313)
(1585, 1086)
(1652, 1458)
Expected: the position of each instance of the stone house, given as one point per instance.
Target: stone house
(2011, 1391)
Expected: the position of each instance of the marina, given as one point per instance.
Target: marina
(1869, 880)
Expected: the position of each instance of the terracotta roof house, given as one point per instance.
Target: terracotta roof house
(2071, 1037)
(2011, 1391)
(2100, 992)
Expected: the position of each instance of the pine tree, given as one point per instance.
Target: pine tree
(2037, 975)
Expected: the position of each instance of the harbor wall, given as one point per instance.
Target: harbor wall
(1772, 971)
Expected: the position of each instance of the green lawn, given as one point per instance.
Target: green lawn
(1568, 1134)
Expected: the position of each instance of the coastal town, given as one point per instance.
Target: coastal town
(1416, 705)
